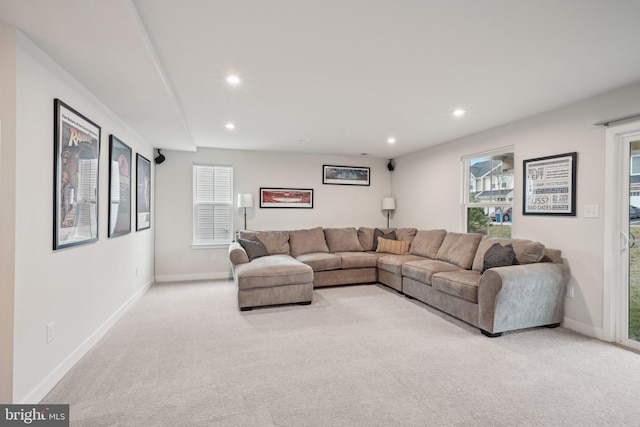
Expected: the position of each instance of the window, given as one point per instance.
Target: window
(212, 204)
(488, 200)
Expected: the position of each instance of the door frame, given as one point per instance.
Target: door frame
(616, 220)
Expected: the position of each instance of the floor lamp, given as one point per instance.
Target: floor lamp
(388, 204)
(245, 201)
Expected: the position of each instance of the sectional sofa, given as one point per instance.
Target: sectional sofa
(497, 285)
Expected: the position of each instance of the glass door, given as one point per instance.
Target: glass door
(633, 286)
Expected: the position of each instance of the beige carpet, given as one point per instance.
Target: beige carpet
(358, 356)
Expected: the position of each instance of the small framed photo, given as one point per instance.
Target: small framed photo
(346, 175)
(286, 198)
(76, 163)
(119, 187)
(143, 193)
(550, 185)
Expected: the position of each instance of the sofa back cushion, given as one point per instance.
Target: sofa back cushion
(459, 249)
(406, 234)
(342, 239)
(427, 242)
(365, 236)
(276, 242)
(307, 241)
(527, 251)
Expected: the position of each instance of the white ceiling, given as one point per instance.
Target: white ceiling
(333, 76)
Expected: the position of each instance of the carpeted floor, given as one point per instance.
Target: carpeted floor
(358, 356)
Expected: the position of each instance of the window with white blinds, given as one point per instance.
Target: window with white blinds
(212, 204)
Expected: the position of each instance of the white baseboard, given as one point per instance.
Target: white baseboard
(583, 328)
(190, 277)
(41, 390)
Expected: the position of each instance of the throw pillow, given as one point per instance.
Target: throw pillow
(379, 233)
(397, 247)
(498, 256)
(253, 247)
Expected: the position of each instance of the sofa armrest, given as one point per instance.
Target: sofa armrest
(237, 254)
(522, 296)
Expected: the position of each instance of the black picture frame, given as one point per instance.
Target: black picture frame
(120, 155)
(301, 198)
(76, 154)
(346, 175)
(549, 185)
(143, 192)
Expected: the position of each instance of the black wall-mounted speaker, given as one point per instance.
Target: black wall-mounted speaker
(160, 158)
(390, 165)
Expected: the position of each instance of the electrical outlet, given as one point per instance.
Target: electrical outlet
(591, 211)
(51, 332)
(213, 256)
(570, 291)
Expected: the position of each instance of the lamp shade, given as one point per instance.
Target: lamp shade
(245, 200)
(388, 204)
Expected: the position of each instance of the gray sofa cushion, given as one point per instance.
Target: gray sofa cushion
(321, 261)
(423, 270)
(307, 241)
(342, 239)
(459, 249)
(427, 242)
(498, 256)
(462, 284)
(273, 270)
(276, 242)
(365, 236)
(357, 260)
(377, 233)
(527, 251)
(253, 247)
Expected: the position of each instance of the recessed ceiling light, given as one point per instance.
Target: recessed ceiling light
(233, 80)
(459, 112)
(230, 126)
(391, 140)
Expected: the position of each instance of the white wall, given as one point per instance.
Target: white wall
(7, 205)
(436, 201)
(82, 289)
(334, 205)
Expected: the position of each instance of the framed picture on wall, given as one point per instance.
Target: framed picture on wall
(143, 192)
(119, 187)
(286, 198)
(76, 162)
(550, 185)
(346, 175)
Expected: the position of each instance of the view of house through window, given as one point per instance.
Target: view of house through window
(212, 204)
(634, 247)
(489, 193)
